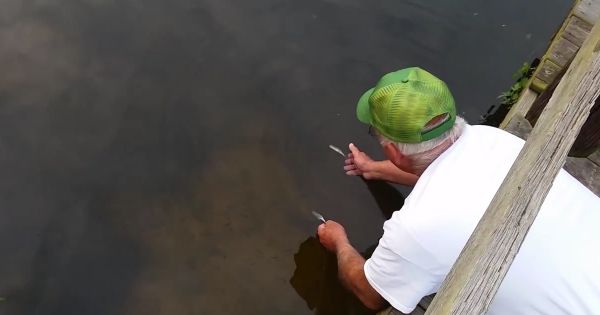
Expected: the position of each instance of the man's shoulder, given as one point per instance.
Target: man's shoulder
(455, 190)
(492, 134)
(479, 148)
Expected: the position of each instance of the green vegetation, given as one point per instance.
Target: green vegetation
(521, 77)
(496, 113)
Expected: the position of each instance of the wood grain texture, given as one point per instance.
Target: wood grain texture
(426, 301)
(548, 71)
(542, 100)
(588, 10)
(419, 310)
(595, 157)
(521, 107)
(588, 139)
(519, 126)
(577, 30)
(392, 311)
(585, 171)
(538, 85)
(474, 279)
(562, 52)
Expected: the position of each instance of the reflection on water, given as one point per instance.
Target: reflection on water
(164, 157)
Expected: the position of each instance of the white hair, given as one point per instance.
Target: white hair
(424, 153)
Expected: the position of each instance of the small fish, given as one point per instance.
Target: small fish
(318, 216)
(338, 150)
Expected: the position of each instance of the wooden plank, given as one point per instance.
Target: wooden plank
(548, 71)
(588, 10)
(577, 30)
(474, 279)
(562, 52)
(426, 301)
(521, 107)
(419, 310)
(595, 157)
(540, 103)
(392, 311)
(586, 172)
(538, 85)
(389, 311)
(519, 126)
(589, 137)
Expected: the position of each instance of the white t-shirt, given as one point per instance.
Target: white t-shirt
(557, 270)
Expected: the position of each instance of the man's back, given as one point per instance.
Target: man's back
(557, 269)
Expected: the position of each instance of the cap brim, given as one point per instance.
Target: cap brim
(363, 111)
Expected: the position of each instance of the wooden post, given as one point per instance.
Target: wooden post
(588, 140)
(542, 100)
(474, 279)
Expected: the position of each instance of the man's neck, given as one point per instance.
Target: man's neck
(424, 159)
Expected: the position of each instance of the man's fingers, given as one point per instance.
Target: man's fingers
(349, 161)
(350, 155)
(320, 228)
(349, 167)
(353, 149)
(354, 173)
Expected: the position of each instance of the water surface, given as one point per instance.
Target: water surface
(163, 157)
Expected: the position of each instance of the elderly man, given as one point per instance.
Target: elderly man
(456, 169)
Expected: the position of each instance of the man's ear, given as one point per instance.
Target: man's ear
(395, 156)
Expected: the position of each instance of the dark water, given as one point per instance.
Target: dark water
(163, 157)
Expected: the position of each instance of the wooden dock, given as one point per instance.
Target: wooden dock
(561, 50)
(585, 169)
(584, 158)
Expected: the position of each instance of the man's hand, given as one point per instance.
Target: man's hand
(359, 163)
(332, 235)
(350, 264)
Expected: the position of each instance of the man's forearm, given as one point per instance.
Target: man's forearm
(386, 170)
(352, 275)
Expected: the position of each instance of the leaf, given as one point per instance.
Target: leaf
(522, 72)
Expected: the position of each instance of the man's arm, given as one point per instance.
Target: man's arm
(352, 274)
(386, 170)
(360, 164)
(350, 264)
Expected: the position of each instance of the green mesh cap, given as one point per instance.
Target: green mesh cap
(403, 102)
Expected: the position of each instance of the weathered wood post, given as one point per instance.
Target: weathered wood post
(474, 279)
(588, 140)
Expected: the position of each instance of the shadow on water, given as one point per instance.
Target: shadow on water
(387, 197)
(315, 278)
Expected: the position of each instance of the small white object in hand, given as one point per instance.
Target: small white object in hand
(318, 216)
(336, 149)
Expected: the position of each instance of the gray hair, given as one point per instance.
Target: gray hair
(424, 153)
